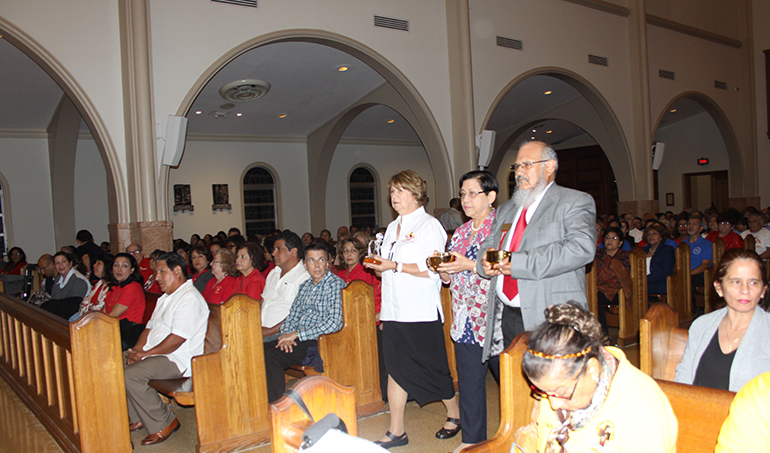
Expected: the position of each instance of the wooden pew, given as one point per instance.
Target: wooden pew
(711, 300)
(750, 243)
(699, 411)
(350, 355)
(322, 396)
(230, 394)
(679, 283)
(150, 300)
(516, 404)
(70, 376)
(662, 342)
(446, 303)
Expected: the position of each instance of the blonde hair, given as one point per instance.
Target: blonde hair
(411, 181)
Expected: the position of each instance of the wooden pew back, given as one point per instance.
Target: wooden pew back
(322, 396)
(631, 307)
(712, 301)
(592, 288)
(750, 243)
(700, 412)
(350, 355)
(662, 342)
(446, 304)
(516, 404)
(70, 376)
(230, 390)
(679, 284)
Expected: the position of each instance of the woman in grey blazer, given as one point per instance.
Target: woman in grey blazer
(728, 347)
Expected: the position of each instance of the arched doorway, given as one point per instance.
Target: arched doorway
(693, 128)
(562, 109)
(55, 124)
(318, 141)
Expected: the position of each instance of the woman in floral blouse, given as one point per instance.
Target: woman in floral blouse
(469, 302)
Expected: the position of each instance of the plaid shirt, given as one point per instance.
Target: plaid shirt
(317, 309)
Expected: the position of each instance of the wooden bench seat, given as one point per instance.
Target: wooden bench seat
(350, 355)
(231, 407)
(662, 342)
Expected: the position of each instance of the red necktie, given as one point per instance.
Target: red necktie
(510, 285)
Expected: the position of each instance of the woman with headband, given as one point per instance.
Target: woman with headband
(590, 397)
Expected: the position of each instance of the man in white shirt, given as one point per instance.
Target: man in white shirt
(175, 333)
(282, 283)
(761, 235)
(451, 218)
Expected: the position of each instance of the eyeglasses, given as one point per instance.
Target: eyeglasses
(527, 165)
(135, 252)
(538, 394)
(470, 194)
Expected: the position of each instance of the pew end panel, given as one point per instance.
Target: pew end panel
(700, 412)
(357, 338)
(231, 407)
(516, 404)
(150, 300)
(99, 380)
(322, 396)
(446, 304)
(662, 342)
(592, 288)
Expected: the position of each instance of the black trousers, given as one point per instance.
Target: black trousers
(276, 361)
(513, 324)
(472, 377)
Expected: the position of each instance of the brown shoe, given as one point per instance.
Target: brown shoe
(161, 435)
(135, 426)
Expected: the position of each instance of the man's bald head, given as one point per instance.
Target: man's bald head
(45, 266)
(135, 250)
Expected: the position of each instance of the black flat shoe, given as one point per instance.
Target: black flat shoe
(444, 433)
(395, 441)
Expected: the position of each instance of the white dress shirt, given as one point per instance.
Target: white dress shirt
(279, 293)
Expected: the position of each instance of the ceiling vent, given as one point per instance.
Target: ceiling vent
(244, 90)
(389, 22)
(662, 73)
(510, 43)
(249, 3)
(601, 61)
(720, 85)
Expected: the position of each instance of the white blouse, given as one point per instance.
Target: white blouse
(405, 297)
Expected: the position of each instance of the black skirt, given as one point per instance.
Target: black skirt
(415, 357)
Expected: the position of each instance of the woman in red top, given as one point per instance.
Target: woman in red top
(125, 300)
(223, 285)
(353, 252)
(17, 259)
(248, 261)
(95, 300)
(725, 232)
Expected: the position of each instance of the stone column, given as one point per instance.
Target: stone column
(461, 89)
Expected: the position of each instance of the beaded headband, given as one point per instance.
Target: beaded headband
(568, 356)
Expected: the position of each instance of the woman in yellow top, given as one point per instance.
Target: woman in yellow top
(591, 397)
(747, 428)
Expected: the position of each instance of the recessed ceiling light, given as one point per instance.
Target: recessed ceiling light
(534, 130)
(391, 121)
(548, 92)
(198, 112)
(672, 110)
(532, 138)
(282, 115)
(239, 114)
(548, 132)
(342, 68)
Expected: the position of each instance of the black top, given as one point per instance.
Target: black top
(92, 250)
(714, 367)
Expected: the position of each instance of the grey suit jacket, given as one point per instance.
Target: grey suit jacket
(559, 241)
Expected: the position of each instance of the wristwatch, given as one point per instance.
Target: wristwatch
(399, 267)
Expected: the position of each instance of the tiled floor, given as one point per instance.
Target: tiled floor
(21, 431)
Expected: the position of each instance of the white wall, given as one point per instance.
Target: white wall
(206, 163)
(91, 208)
(24, 164)
(686, 142)
(386, 161)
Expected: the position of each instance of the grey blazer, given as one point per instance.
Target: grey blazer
(752, 357)
(559, 241)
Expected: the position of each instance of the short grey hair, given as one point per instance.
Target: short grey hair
(546, 153)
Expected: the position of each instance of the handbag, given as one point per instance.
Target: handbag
(315, 431)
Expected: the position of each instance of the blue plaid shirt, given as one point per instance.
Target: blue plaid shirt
(317, 309)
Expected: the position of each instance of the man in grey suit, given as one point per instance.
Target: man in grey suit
(551, 231)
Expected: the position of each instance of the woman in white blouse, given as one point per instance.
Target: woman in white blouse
(411, 315)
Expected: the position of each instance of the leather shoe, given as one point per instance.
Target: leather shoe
(135, 426)
(444, 433)
(395, 441)
(163, 434)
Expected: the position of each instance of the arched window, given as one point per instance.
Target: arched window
(259, 201)
(511, 184)
(363, 205)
